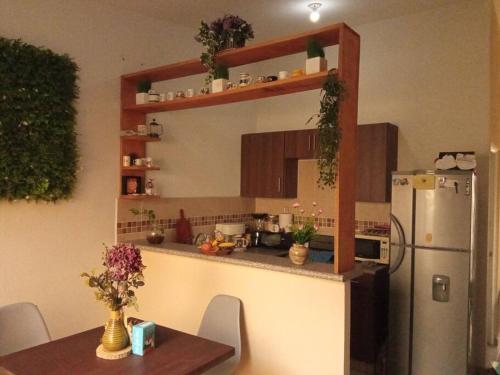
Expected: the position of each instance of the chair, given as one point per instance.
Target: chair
(21, 327)
(221, 323)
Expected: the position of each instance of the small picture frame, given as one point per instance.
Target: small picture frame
(131, 185)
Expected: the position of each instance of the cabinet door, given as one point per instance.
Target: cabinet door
(301, 144)
(263, 165)
(377, 150)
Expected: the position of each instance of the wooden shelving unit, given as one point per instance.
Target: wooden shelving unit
(347, 71)
(140, 168)
(252, 92)
(139, 197)
(139, 138)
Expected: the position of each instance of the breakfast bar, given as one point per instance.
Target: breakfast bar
(282, 331)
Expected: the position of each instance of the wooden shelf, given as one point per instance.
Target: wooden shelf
(327, 36)
(139, 197)
(141, 168)
(251, 92)
(140, 138)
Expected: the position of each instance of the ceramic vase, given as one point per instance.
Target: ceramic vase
(219, 85)
(115, 335)
(316, 65)
(141, 98)
(298, 254)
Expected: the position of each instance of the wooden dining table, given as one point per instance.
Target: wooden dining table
(175, 353)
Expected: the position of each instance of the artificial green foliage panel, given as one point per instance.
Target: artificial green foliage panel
(38, 151)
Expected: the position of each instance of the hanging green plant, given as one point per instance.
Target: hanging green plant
(329, 132)
(38, 152)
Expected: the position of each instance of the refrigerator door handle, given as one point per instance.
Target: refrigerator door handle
(401, 245)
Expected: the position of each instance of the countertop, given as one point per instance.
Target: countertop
(252, 259)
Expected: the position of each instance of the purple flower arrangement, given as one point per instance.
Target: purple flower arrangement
(123, 271)
(222, 33)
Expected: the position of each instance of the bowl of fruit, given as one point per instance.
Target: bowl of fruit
(216, 247)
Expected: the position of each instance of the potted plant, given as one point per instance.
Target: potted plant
(226, 32)
(221, 76)
(155, 235)
(302, 233)
(123, 271)
(329, 132)
(316, 61)
(142, 96)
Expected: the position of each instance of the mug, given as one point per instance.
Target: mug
(283, 74)
(240, 241)
(189, 93)
(126, 160)
(231, 85)
(163, 97)
(170, 95)
(261, 79)
(148, 162)
(138, 162)
(180, 94)
(271, 78)
(142, 130)
(245, 79)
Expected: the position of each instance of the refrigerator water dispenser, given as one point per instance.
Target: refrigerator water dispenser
(440, 288)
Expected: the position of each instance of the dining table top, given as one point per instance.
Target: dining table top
(175, 353)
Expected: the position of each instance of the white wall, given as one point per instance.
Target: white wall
(44, 247)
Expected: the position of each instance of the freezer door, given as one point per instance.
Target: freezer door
(440, 329)
(443, 214)
(400, 280)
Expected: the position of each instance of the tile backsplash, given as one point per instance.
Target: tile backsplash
(203, 213)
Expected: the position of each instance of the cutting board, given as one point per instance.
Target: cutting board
(183, 230)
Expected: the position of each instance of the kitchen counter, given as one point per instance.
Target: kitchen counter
(254, 259)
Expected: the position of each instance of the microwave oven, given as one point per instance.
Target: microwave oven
(372, 248)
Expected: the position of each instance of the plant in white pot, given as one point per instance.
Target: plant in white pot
(221, 76)
(142, 96)
(316, 61)
(303, 230)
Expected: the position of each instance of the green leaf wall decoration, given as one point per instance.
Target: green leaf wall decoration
(38, 150)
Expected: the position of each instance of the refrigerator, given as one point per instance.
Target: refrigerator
(431, 272)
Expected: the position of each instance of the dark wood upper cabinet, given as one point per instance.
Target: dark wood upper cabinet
(301, 144)
(377, 157)
(264, 170)
(269, 161)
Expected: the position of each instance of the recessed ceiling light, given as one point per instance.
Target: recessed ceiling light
(314, 16)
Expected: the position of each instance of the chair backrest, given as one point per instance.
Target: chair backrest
(21, 327)
(221, 323)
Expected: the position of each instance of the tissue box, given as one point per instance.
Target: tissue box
(143, 338)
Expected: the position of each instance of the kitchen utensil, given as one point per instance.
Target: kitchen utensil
(183, 230)
(155, 129)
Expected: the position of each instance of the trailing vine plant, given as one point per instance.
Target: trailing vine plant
(38, 149)
(329, 132)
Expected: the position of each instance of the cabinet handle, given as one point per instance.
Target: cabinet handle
(279, 184)
(314, 142)
(309, 142)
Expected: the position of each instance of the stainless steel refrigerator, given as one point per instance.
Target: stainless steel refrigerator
(431, 271)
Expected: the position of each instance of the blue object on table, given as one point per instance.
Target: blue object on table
(143, 338)
(321, 256)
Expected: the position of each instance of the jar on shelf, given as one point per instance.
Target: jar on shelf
(155, 129)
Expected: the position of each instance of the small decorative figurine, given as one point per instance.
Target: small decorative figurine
(149, 187)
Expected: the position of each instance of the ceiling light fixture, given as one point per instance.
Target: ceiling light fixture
(314, 16)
